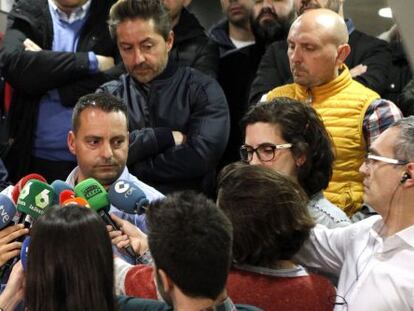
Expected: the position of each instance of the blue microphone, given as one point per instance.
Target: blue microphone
(7, 211)
(58, 187)
(127, 197)
(24, 251)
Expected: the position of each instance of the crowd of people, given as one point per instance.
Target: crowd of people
(151, 165)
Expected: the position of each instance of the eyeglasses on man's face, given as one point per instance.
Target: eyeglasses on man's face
(371, 159)
(265, 152)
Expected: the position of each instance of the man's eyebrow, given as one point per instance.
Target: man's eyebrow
(92, 137)
(119, 136)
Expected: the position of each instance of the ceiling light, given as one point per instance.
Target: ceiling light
(385, 12)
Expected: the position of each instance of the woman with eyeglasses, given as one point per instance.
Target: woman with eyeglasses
(289, 137)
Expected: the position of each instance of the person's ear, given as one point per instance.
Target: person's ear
(343, 51)
(170, 40)
(408, 179)
(300, 160)
(166, 281)
(71, 142)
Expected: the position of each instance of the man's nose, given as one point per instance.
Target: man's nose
(268, 4)
(295, 55)
(138, 57)
(106, 150)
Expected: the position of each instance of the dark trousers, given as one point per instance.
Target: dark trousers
(51, 170)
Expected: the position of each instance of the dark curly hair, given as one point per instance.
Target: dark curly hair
(301, 126)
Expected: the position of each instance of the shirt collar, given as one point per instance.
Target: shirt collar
(349, 25)
(78, 13)
(226, 305)
(405, 236)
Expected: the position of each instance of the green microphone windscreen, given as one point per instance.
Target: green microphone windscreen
(35, 198)
(93, 192)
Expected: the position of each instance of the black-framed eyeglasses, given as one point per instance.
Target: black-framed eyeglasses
(265, 152)
(371, 159)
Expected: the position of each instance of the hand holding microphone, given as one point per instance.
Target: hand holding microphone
(129, 235)
(97, 197)
(9, 247)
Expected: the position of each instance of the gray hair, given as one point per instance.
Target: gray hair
(404, 144)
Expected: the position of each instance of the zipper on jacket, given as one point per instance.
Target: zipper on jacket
(309, 96)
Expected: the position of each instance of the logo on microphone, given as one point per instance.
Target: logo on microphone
(42, 199)
(25, 191)
(5, 218)
(92, 191)
(121, 187)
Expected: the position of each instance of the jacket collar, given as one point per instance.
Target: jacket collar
(188, 27)
(319, 93)
(168, 72)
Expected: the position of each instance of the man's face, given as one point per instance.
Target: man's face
(272, 18)
(69, 5)
(100, 145)
(175, 7)
(237, 11)
(312, 56)
(303, 5)
(382, 179)
(266, 133)
(143, 50)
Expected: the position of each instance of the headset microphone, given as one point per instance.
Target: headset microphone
(405, 177)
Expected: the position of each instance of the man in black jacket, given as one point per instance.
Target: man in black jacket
(234, 31)
(53, 52)
(270, 21)
(178, 117)
(369, 60)
(192, 47)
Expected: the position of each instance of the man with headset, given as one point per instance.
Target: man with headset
(373, 258)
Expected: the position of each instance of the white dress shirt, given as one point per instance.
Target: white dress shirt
(375, 273)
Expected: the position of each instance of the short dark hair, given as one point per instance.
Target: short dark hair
(70, 262)
(190, 238)
(268, 212)
(144, 9)
(302, 127)
(103, 101)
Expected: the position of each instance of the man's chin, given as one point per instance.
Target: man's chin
(107, 178)
(143, 78)
(301, 81)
